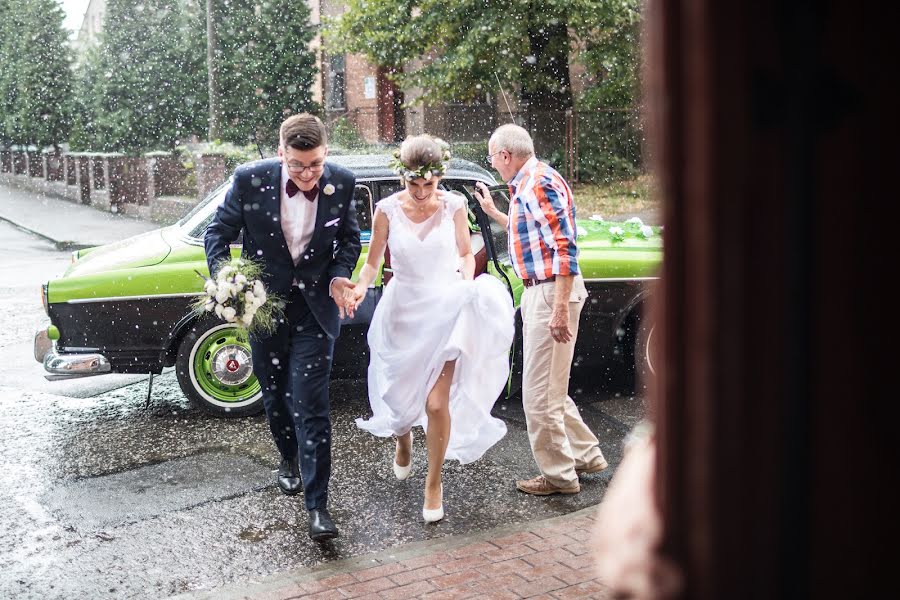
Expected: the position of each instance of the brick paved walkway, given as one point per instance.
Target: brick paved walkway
(547, 559)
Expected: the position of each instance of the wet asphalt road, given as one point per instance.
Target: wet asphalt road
(105, 496)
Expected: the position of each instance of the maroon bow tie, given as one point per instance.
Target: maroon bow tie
(291, 188)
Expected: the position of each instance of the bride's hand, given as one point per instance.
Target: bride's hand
(353, 297)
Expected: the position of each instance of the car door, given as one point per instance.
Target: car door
(500, 266)
(363, 201)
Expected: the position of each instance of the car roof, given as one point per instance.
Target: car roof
(375, 166)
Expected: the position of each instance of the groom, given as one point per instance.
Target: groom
(297, 216)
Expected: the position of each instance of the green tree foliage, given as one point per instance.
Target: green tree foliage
(144, 87)
(266, 66)
(456, 50)
(36, 81)
(466, 46)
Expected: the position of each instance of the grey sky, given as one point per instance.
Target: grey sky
(74, 10)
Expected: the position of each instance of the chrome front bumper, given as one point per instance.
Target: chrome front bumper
(67, 363)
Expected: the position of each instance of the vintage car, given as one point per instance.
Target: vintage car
(126, 307)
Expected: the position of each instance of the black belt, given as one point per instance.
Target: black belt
(531, 282)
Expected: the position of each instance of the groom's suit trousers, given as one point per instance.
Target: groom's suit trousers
(293, 366)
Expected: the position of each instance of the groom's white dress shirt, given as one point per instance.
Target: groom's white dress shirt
(298, 219)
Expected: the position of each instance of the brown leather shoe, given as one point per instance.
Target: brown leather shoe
(541, 487)
(595, 466)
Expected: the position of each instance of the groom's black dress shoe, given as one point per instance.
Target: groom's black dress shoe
(288, 477)
(321, 527)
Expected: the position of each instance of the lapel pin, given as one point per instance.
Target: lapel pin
(328, 190)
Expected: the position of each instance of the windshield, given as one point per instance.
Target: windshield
(195, 222)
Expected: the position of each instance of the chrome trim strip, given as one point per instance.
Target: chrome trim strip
(124, 298)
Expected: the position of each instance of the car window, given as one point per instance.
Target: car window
(500, 194)
(386, 188)
(499, 237)
(362, 202)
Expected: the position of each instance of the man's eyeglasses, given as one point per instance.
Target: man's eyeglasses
(298, 168)
(490, 156)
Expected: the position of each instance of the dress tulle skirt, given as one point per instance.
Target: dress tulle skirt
(419, 327)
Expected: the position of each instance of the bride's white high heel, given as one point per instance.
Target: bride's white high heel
(432, 515)
(402, 473)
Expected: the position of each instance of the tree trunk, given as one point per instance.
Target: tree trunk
(546, 86)
(212, 49)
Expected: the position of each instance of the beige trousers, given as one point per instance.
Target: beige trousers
(560, 441)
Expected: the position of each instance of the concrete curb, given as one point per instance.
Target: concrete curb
(62, 245)
(270, 585)
(87, 226)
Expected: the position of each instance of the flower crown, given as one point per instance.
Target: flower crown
(426, 171)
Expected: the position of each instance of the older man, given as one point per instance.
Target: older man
(542, 246)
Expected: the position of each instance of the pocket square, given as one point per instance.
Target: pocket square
(332, 222)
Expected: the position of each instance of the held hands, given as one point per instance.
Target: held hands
(339, 288)
(353, 297)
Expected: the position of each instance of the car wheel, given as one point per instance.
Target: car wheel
(646, 355)
(215, 371)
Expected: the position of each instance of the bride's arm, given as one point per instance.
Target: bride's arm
(464, 243)
(377, 244)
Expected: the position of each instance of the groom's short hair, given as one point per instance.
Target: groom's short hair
(303, 132)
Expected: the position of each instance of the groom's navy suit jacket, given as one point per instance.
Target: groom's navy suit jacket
(254, 204)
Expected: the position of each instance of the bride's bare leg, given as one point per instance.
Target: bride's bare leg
(404, 449)
(438, 434)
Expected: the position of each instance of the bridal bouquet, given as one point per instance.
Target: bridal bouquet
(237, 295)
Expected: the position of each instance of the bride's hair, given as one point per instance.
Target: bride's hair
(418, 151)
(421, 156)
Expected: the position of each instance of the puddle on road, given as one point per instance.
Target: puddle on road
(146, 492)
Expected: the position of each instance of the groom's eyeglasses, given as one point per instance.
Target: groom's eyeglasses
(298, 168)
(490, 156)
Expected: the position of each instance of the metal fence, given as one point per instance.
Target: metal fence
(584, 145)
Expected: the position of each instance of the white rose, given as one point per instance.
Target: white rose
(224, 272)
(247, 319)
(646, 231)
(328, 190)
(219, 308)
(635, 220)
(258, 288)
(257, 302)
(240, 280)
(222, 294)
(249, 298)
(210, 287)
(428, 175)
(616, 230)
(228, 314)
(210, 305)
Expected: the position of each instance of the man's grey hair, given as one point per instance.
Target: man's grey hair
(513, 139)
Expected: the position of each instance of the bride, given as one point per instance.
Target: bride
(439, 340)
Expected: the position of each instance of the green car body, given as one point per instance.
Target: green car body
(126, 307)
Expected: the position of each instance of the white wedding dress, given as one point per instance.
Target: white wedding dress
(427, 316)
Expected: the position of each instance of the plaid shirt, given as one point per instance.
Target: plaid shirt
(541, 223)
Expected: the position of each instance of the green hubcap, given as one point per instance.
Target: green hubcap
(222, 367)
